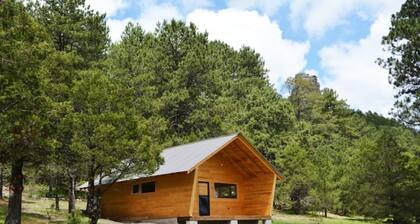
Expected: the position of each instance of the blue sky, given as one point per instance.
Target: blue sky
(337, 40)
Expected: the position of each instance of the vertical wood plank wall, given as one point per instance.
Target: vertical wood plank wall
(218, 170)
(258, 199)
(254, 193)
(176, 195)
(171, 199)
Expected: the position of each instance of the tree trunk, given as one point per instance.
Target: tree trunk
(91, 189)
(15, 194)
(1, 182)
(56, 195)
(96, 213)
(57, 202)
(72, 195)
(96, 204)
(50, 188)
(325, 212)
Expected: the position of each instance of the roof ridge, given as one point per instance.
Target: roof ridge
(207, 139)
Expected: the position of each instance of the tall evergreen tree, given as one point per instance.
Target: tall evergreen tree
(304, 94)
(295, 164)
(80, 36)
(113, 139)
(403, 43)
(199, 87)
(24, 48)
(74, 27)
(384, 172)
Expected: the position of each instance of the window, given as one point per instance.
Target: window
(135, 189)
(143, 188)
(148, 187)
(225, 190)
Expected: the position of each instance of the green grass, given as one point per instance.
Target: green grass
(282, 218)
(26, 217)
(37, 210)
(3, 210)
(323, 221)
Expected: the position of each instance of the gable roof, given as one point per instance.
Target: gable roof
(185, 158)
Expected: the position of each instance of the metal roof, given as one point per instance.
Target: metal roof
(181, 158)
(184, 157)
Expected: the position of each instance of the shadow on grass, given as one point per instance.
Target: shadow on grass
(3, 210)
(27, 217)
(28, 202)
(360, 219)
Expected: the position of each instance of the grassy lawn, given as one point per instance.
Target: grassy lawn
(38, 210)
(2, 211)
(282, 218)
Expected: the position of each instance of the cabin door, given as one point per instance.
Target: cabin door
(204, 198)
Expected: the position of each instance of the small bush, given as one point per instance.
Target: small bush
(35, 191)
(74, 218)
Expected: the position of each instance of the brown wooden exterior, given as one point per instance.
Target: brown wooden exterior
(176, 195)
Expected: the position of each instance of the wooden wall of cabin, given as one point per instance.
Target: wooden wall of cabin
(218, 170)
(171, 198)
(254, 194)
(259, 195)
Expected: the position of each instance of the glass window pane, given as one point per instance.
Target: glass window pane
(225, 190)
(135, 189)
(148, 187)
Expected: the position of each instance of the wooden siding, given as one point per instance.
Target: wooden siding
(258, 200)
(218, 170)
(171, 199)
(237, 165)
(177, 194)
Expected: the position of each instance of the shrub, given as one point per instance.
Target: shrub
(74, 218)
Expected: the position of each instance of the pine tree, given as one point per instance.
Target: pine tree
(74, 27)
(403, 43)
(114, 140)
(24, 48)
(80, 37)
(385, 175)
(304, 93)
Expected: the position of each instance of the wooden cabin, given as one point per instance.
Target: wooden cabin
(222, 179)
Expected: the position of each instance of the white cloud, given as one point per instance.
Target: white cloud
(236, 27)
(149, 15)
(110, 7)
(116, 27)
(154, 13)
(354, 73)
(319, 16)
(188, 5)
(267, 7)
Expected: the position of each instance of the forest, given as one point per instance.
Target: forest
(73, 106)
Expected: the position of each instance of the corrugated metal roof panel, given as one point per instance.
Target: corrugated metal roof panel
(181, 158)
(184, 157)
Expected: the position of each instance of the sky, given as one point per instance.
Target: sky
(336, 40)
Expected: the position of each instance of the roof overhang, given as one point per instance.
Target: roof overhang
(244, 141)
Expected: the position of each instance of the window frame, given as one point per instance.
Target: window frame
(138, 189)
(217, 185)
(144, 183)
